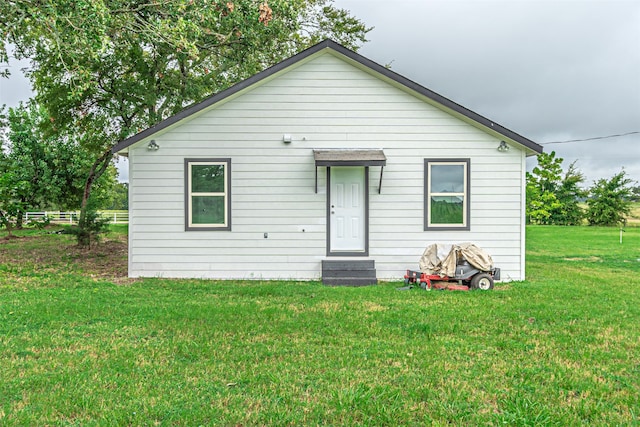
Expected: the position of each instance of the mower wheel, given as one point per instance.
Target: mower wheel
(482, 281)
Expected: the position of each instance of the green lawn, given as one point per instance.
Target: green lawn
(80, 345)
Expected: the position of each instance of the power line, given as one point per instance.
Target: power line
(590, 139)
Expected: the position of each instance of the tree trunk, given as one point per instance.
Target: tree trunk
(20, 220)
(96, 171)
(4, 219)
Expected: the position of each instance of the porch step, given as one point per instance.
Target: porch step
(349, 273)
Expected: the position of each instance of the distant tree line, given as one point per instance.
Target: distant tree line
(556, 197)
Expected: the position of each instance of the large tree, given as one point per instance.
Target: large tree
(106, 69)
(10, 206)
(553, 198)
(44, 172)
(569, 194)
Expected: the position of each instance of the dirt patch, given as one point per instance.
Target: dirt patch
(8, 238)
(107, 259)
(587, 259)
(59, 253)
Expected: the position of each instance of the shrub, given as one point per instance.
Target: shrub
(90, 226)
(610, 202)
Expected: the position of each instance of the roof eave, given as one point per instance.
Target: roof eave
(451, 106)
(487, 125)
(123, 145)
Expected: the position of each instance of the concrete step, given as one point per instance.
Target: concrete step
(349, 272)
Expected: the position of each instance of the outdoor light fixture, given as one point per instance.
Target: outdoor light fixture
(153, 146)
(286, 138)
(503, 147)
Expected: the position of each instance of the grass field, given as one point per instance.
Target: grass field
(80, 344)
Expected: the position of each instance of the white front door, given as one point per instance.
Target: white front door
(347, 209)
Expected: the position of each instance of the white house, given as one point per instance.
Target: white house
(326, 165)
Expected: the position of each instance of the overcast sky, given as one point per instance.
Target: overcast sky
(549, 70)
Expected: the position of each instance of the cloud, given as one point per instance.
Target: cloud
(548, 70)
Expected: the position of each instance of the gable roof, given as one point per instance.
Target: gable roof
(365, 63)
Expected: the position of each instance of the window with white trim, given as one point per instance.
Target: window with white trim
(446, 183)
(207, 194)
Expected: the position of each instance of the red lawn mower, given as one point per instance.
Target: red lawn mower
(461, 267)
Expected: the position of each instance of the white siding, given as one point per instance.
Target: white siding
(323, 103)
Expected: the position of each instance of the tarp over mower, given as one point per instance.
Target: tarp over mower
(464, 263)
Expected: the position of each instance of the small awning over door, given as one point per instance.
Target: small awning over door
(350, 157)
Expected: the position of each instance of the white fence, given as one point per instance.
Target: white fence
(115, 217)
